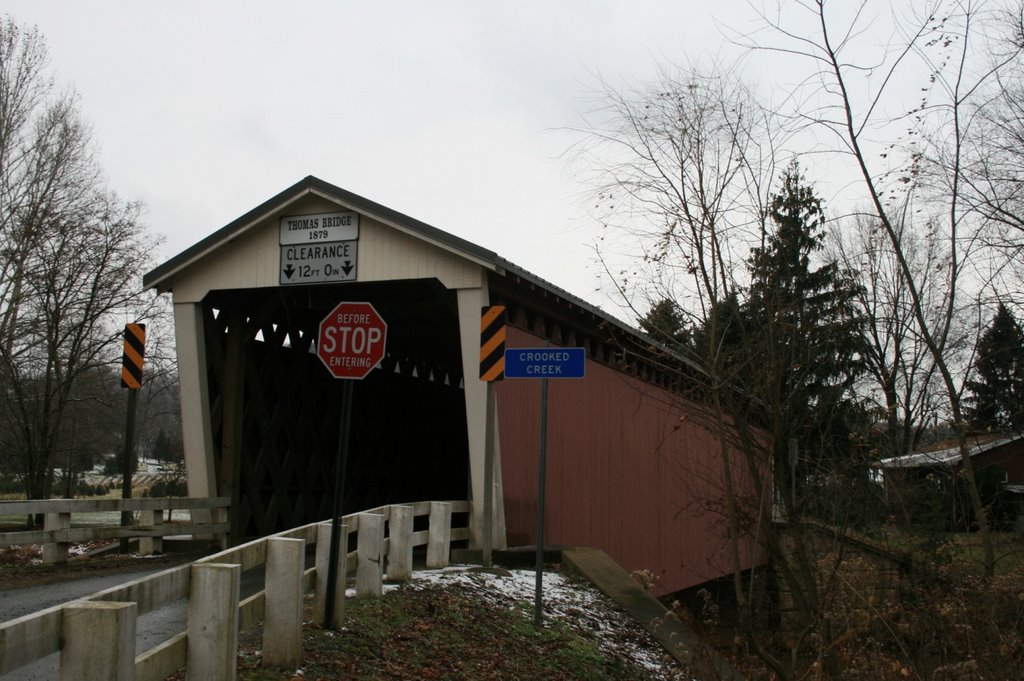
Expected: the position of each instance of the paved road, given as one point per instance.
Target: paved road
(152, 629)
(17, 602)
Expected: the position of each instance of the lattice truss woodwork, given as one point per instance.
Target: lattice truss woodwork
(275, 411)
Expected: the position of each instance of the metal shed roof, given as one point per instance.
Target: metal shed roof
(943, 457)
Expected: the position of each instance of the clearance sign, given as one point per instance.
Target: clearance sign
(319, 248)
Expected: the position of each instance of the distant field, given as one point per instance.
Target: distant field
(11, 523)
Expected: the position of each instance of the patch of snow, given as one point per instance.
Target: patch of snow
(577, 604)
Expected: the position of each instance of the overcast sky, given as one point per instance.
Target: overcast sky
(451, 112)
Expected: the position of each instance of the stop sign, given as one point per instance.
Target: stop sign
(351, 340)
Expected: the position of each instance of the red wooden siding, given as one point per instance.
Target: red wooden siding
(630, 470)
(1009, 458)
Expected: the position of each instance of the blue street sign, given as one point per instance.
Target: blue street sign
(544, 362)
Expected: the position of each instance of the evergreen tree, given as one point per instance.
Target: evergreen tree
(997, 392)
(167, 449)
(801, 320)
(665, 323)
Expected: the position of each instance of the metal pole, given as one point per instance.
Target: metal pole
(337, 507)
(541, 484)
(69, 472)
(126, 480)
(794, 457)
(488, 537)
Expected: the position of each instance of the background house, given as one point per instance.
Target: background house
(926, 487)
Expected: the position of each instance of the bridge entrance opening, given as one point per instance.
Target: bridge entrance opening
(275, 410)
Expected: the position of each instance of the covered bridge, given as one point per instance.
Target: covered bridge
(633, 467)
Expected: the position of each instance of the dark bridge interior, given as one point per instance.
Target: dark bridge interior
(276, 411)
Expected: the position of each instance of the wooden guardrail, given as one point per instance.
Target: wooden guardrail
(57, 533)
(105, 621)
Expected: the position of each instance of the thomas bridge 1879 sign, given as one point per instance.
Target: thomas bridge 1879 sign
(319, 248)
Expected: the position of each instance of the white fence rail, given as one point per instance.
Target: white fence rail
(208, 646)
(208, 518)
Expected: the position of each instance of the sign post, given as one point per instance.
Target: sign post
(351, 343)
(492, 368)
(131, 378)
(543, 363)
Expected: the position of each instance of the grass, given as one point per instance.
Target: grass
(960, 552)
(968, 553)
(435, 632)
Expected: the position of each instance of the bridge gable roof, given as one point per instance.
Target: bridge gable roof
(162, 276)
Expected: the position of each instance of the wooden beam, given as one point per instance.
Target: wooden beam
(234, 414)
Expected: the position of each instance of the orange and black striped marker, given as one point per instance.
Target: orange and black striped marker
(134, 351)
(492, 343)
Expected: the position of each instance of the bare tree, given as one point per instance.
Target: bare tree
(685, 176)
(160, 398)
(682, 168)
(926, 154)
(901, 386)
(994, 154)
(70, 256)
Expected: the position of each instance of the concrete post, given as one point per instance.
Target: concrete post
(56, 552)
(99, 641)
(150, 545)
(282, 620)
(370, 547)
(400, 544)
(323, 557)
(439, 535)
(213, 622)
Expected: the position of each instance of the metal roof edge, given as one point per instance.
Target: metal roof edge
(942, 456)
(158, 276)
(311, 184)
(516, 270)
